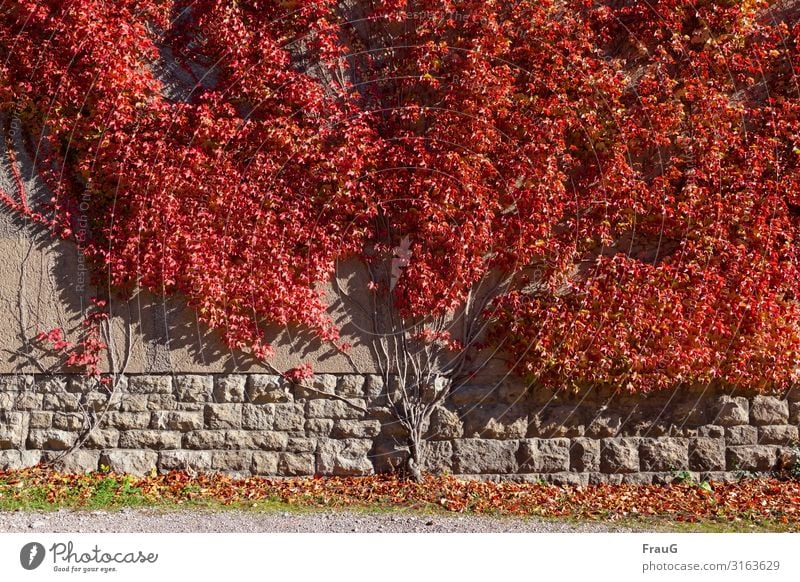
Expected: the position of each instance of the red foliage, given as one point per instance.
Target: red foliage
(86, 353)
(635, 165)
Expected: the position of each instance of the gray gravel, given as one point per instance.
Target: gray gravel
(155, 521)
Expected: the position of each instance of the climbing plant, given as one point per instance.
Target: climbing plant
(606, 192)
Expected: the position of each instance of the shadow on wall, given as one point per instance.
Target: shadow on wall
(46, 284)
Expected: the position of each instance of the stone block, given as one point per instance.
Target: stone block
(788, 459)
(355, 428)
(150, 439)
(712, 431)
(336, 409)
(347, 457)
(193, 388)
(297, 464)
(665, 454)
(101, 438)
(707, 454)
(133, 462)
(752, 458)
(63, 402)
(79, 461)
(8, 400)
(51, 439)
(50, 384)
(718, 477)
(437, 457)
(156, 402)
(40, 419)
(315, 387)
(265, 463)
(375, 390)
(190, 461)
(126, 420)
(16, 382)
(566, 479)
(261, 440)
(218, 416)
(766, 410)
(480, 456)
(730, 410)
(794, 413)
(229, 388)
(268, 388)
(10, 439)
(585, 455)
(393, 428)
(620, 455)
(72, 421)
(301, 445)
(351, 386)
(319, 427)
(83, 384)
(13, 429)
(691, 412)
(155, 384)
(258, 416)
(786, 434)
(653, 429)
(683, 431)
(605, 478)
(741, 435)
(14, 459)
(544, 455)
(637, 478)
(134, 403)
(204, 440)
(289, 417)
(387, 456)
(179, 420)
(232, 461)
(100, 401)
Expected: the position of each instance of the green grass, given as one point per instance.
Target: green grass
(107, 493)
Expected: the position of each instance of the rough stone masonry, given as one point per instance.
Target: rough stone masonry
(262, 424)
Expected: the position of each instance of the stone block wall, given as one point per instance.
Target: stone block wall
(343, 425)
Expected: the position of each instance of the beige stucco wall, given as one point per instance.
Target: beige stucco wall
(43, 285)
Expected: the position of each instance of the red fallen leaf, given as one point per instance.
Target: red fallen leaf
(736, 501)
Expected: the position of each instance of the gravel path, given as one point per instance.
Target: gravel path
(155, 521)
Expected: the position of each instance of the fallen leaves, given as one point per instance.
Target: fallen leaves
(746, 500)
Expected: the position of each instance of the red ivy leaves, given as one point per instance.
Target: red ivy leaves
(300, 373)
(87, 352)
(633, 164)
